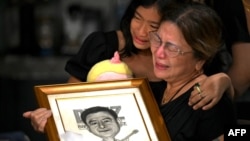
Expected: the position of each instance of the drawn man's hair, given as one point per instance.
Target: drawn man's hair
(96, 109)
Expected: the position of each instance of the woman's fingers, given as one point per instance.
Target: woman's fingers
(38, 118)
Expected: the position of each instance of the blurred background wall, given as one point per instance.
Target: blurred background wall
(36, 39)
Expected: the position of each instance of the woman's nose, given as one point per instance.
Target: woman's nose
(160, 51)
(143, 29)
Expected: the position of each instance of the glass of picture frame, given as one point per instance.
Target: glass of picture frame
(131, 99)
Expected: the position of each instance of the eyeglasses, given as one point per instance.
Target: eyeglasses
(170, 49)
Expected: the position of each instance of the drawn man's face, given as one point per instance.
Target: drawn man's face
(102, 124)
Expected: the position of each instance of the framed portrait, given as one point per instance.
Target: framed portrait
(136, 113)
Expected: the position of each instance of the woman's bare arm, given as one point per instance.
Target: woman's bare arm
(212, 89)
(73, 79)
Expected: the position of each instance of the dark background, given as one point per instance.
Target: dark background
(34, 47)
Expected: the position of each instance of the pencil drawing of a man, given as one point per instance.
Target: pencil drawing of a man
(103, 122)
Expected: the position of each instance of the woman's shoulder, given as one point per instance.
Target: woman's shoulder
(102, 42)
(104, 33)
(113, 38)
(103, 36)
(96, 47)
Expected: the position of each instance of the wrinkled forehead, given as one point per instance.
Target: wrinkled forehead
(169, 30)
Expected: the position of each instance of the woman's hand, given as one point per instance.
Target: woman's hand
(38, 118)
(212, 89)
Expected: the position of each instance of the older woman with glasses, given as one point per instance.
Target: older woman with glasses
(187, 39)
(170, 49)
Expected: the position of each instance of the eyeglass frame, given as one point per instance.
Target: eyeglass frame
(178, 51)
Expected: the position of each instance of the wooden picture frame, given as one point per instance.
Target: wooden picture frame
(131, 99)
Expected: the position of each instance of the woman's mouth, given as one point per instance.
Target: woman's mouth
(140, 41)
(160, 66)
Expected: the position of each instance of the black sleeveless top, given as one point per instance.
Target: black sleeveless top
(97, 46)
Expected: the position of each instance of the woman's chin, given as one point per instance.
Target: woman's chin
(160, 75)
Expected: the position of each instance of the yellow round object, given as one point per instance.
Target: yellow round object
(107, 66)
